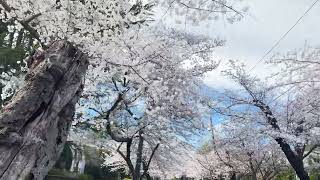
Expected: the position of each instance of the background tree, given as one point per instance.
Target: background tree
(290, 123)
(13, 48)
(154, 102)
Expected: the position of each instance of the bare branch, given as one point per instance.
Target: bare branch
(198, 8)
(311, 150)
(229, 7)
(31, 18)
(95, 110)
(25, 23)
(114, 136)
(126, 157)
(136, 72)
(147, 165)
(152, 154)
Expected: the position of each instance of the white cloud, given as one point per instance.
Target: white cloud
(252, 37)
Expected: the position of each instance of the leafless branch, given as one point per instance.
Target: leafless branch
(25, 23)
(198, 8)
(229, 7)
(310, 151)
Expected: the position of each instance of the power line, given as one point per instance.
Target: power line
(285, 34)
(285, 92)
(278, 42)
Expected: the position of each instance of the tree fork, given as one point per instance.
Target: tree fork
(35, 124)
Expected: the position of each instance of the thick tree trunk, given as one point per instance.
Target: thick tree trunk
(295, 161)
(35, 124)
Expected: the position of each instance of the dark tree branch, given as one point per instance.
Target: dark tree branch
(229, 7)
(25, 23)
(310, 151)
(268, 114)
(151, 157)
(126, 157)
(294, 159)
(139, 156)
(146, 165)
(198, 8)
(137, 73)
(95, 110)
(5, 5)
(113, 135)
(31, 18)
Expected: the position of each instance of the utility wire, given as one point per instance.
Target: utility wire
(278, 42)
(285, 92)
(285, 34)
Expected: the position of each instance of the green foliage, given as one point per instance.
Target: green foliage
(2, 37)
(61, 173)
(9, 60)
(93, 168)
(9, 57)
(85, 177)
(65, 159)
(288, 175)
(315, 176)
(12, 52)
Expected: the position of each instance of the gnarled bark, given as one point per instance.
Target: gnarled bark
(35, 124)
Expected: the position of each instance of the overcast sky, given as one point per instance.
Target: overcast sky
(266, 22)
(249, 39)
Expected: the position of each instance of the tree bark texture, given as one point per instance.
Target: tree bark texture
(35, 124)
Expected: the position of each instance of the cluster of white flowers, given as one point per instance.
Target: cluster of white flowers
(10, 82)
(10, 87)
(89, 24)
(157, 72)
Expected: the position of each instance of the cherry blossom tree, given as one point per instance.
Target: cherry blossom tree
(292, 123)
(298, 67)
(70, 33)
(240, 148)
(255, 152)
(211, 164)
(28, 149)
(153, 102)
